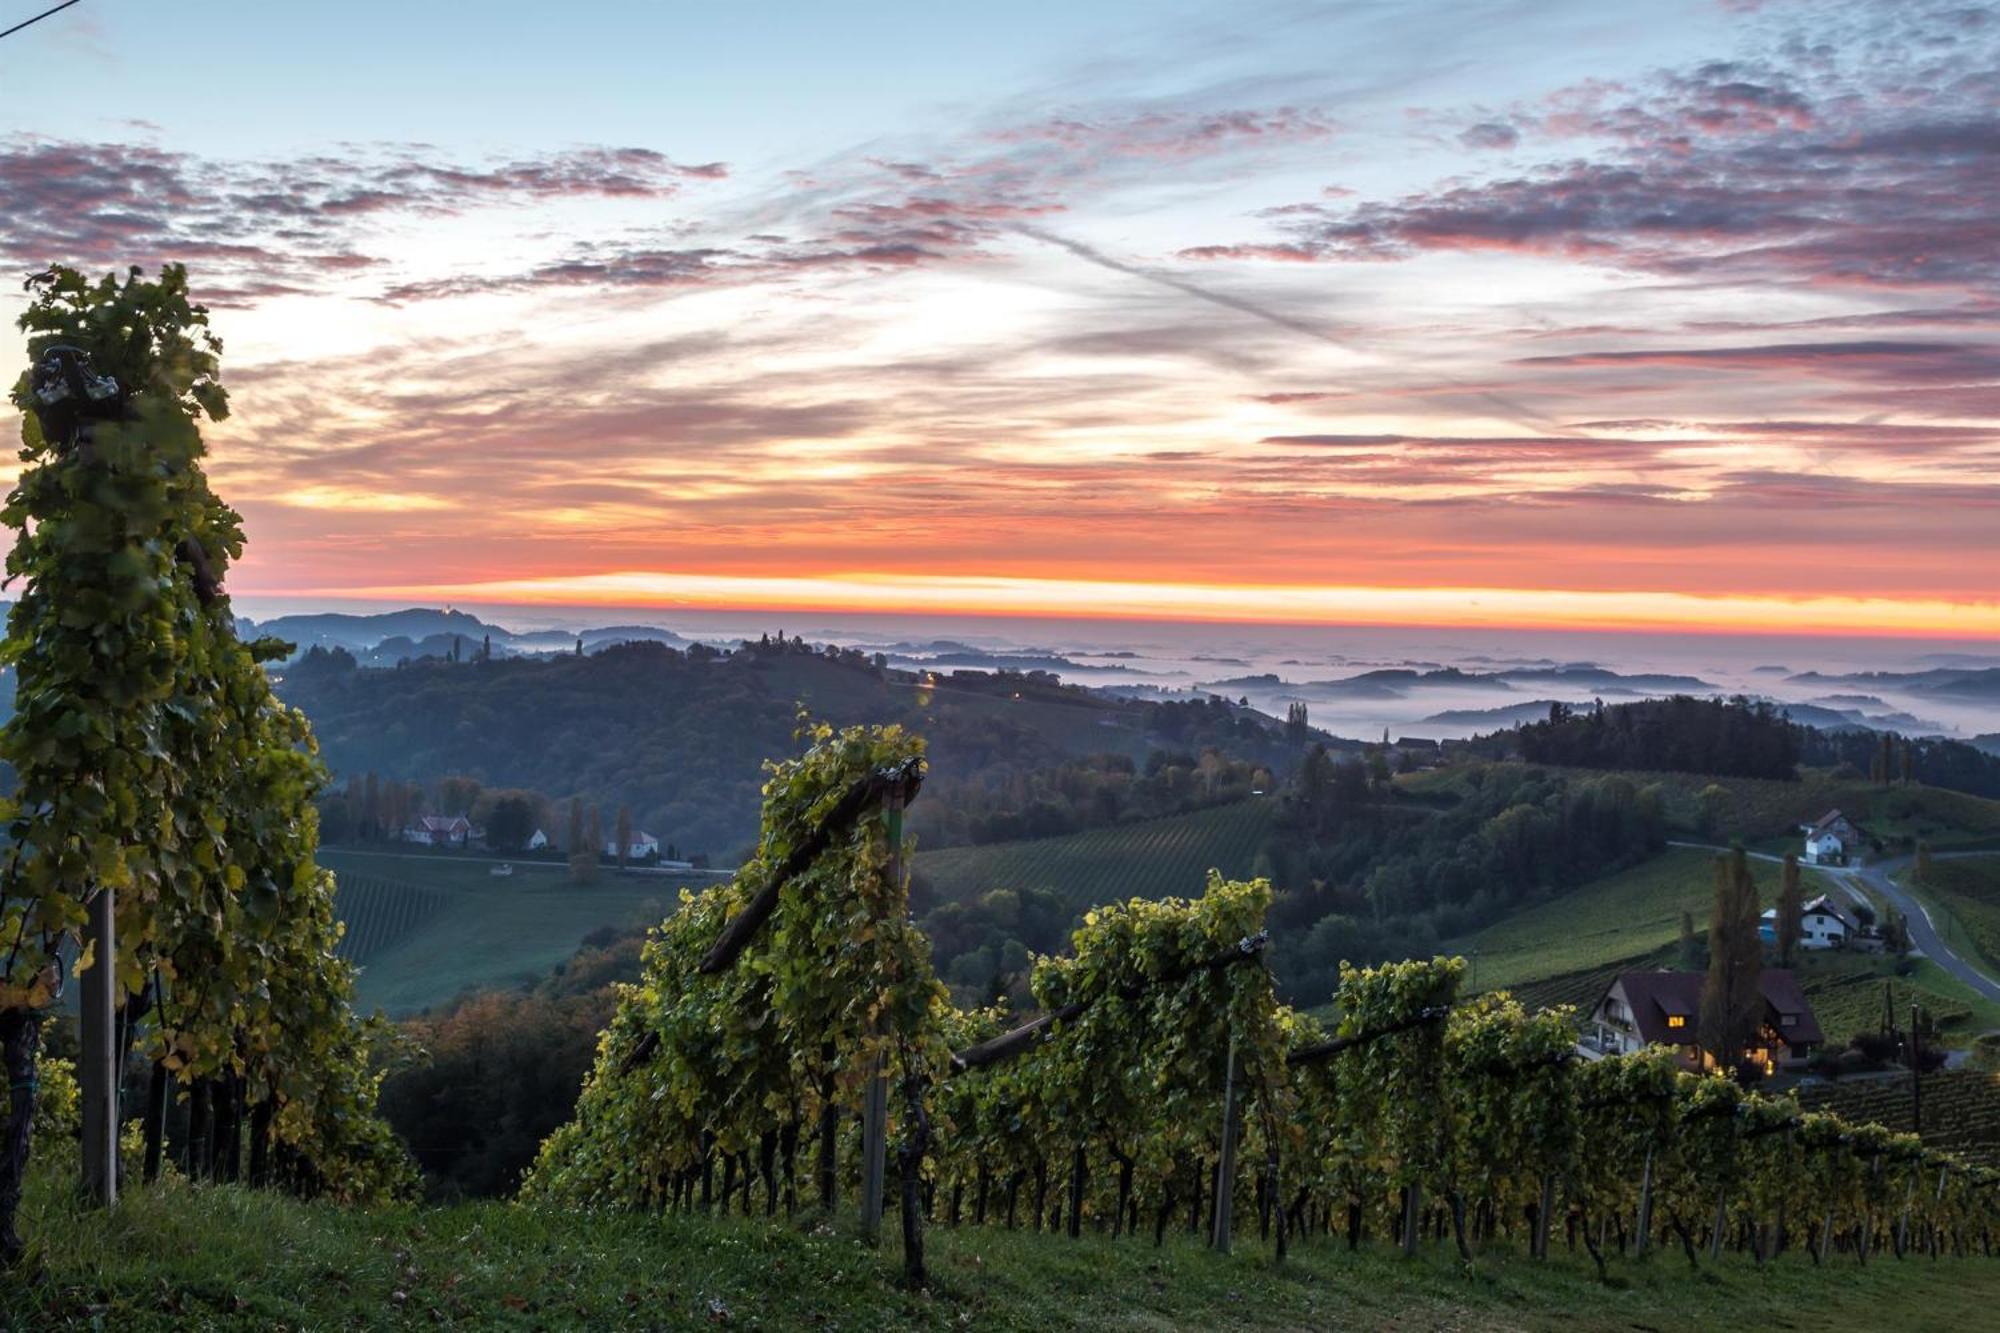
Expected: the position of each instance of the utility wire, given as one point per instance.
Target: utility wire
(38, 18)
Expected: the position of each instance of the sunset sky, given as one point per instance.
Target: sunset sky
(1535, 312)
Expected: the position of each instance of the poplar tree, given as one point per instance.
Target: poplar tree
(593, 846)
(1732, 1002)
(624, 835)
(582, 858)
(1791, 911)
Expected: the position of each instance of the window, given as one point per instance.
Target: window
(1677, 1020)
(1789, 1020)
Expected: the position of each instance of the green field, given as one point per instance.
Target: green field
(171, 1258)
(1153, 858)
(436, 925)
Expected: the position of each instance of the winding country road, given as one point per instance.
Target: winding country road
(1923, 930)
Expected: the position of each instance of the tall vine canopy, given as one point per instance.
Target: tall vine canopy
(151, 757)
(102, 630)
(837, 980)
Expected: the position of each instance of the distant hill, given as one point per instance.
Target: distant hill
(681, 737)
(1403, 682)
(389, 637)
(1977, 683)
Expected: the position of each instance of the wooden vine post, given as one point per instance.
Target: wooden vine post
(1225, 1170)
(891, 789)
(875, 1100)
(1643, 1224)
(97, 1072)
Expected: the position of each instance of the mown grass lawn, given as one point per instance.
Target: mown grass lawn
(225, 1258)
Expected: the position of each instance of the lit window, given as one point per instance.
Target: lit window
(1677, 1020)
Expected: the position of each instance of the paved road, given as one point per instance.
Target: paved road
(529, 862)
(1923, 931)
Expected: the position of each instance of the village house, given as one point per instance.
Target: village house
(1664, 1008)
(642, 846)
(1823, 924)
(1831, 841)
(537, 840)
(440, 831)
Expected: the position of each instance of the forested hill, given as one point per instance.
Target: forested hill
(680, 736)
(1735, 738)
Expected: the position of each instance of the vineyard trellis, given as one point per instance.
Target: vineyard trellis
(1160, 1061)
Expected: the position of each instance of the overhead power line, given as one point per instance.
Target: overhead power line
(39, 17)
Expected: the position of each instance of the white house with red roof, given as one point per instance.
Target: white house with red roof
(440, 831)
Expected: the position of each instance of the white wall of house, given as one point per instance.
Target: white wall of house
(1822, 930)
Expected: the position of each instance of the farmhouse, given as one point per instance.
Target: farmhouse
(642, 846)
(440, 831)
(537, 840)
(1663, 1009)
(1824, 924)
(1832, 840)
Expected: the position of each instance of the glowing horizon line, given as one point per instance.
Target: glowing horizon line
(1331, 605)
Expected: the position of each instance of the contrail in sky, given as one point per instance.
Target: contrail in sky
(1519, 413)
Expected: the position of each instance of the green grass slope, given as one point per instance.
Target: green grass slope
(224, 1258)
(1609, 921)
(472, 928)
(1153, 858)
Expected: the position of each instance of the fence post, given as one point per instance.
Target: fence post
(1225, 1174)
(97, 1075)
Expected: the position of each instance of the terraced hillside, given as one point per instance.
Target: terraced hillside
(1153, 858)
(377, 912)
(426, 927)
(1961, 1108)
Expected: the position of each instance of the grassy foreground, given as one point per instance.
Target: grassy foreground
(175, 1258)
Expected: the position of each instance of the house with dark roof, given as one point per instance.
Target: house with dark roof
(1823, 924)
(1643, 1009)
(1832, 840)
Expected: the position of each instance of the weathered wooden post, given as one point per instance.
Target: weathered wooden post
(97, 1073)
(1225, 1172)
(1645, 1218)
